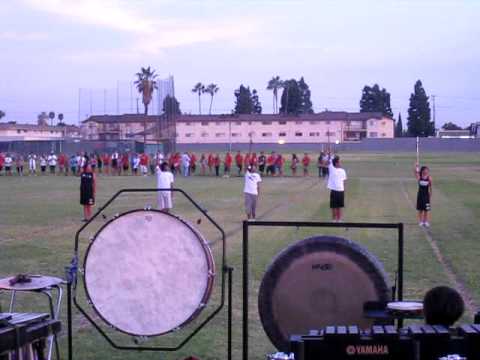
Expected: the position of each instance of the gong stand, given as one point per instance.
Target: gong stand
(299, 224)
(72, 276)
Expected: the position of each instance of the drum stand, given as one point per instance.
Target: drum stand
(72, 272)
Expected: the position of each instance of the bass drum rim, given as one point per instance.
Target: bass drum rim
(282, 260)
(210, 276)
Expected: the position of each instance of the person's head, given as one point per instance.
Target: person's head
(336, 161)
(424, 171)
(442, 305)
(251, 168)
(163, 166)
(294, 156)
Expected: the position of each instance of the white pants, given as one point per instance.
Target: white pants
(164, 199)
(32, 166)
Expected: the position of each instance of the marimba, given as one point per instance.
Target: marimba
(24, 335)
(421, 342)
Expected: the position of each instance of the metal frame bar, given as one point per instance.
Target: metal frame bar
(72, 271)
(245, 255)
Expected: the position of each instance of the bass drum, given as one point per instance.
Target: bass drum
(317, 282)
(148, 273)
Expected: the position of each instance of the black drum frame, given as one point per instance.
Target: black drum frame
(298, 224)
(72, 273)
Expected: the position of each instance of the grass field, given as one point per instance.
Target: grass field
(40, 215)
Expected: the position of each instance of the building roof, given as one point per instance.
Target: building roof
(15, 126)
(323, 116)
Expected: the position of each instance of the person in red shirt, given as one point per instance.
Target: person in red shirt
(193, 163)
(210, 163)
(305, 163)
(144, 164)
(253, 160)
(125, 164)
(61, 163)
(271, 164)
(228, 165)
(176, 163)
(2, 162)
(279, 162)
(216, 163)
(246, 160)
(106, 163)
(239, 162)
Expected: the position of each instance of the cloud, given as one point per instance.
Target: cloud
(111, 14)
(22, 36)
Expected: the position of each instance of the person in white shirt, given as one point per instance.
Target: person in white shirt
(164, 181)
(185, 164)
(52, 162)
(32, 163)
(336, 184)
(8, 164)
(251, 191)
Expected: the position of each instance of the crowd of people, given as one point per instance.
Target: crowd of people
(186, 163)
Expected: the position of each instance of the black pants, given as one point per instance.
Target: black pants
(217, 170)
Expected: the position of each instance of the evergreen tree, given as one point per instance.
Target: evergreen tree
(291, 100)
(2, 114)
(375, 99)
(419, 121)
(307, 106)
(171, 106)
(247, 102)
(257, 106)
(399, 126)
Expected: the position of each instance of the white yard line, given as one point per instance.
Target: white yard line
(454, 279)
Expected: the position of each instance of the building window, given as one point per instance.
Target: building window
(19, 131)
(298, 133)
(220, 135)
(383, 134)
(188, 123)
(266, 123)
(327, 122)
(249, 123)
(283, 122)
(267, 134)
(372, 123)
(204, 123)
(384, 123)
(218, 123)
(298, 122)
(313, 122)
(282, 134)
(238, 123)
(330, 133)
(314, 134)
(373, 134)
(189, 135)
(204, 134)
(236, 134)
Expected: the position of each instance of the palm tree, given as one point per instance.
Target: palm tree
(286, 87)
(211, 89)
(146, 84)
(51, 116)
(275, 84)
(199, 88)
(60, 119)
(2, 114)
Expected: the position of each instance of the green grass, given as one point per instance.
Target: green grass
(40, 215)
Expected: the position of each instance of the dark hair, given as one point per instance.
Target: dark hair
(442, 305)
(335, 161)
(163, 166)
(422, 169)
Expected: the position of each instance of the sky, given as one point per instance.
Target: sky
(75, 56)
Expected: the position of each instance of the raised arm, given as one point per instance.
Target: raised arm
(417, 171)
